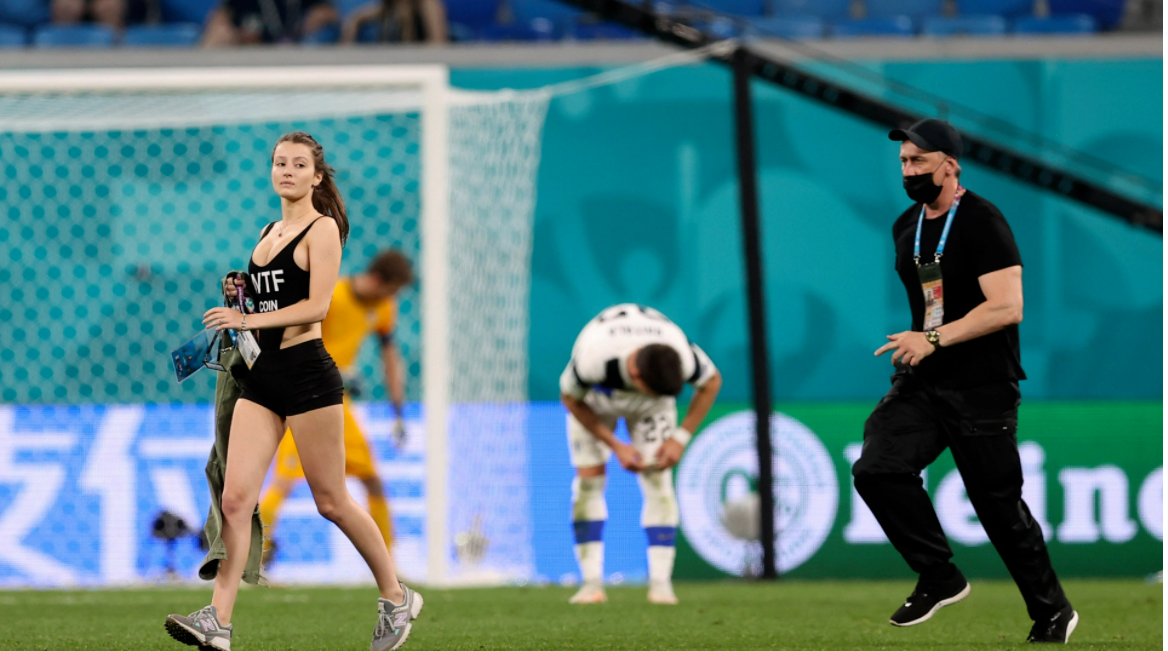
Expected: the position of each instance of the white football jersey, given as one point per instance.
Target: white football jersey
(600, 355)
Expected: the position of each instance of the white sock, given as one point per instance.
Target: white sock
(659, 517)
(589, 513)
(661, 564)
(590, 556)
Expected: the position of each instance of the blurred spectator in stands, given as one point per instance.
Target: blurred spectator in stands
(112, 13)
(1144, 16)
(246, 22)
(397, 21)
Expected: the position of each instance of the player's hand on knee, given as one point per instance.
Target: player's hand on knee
(629, 458)
(668, 454)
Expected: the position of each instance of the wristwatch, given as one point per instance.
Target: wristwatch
(934, 338)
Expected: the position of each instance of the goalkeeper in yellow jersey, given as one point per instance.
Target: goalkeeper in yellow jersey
(363, 304)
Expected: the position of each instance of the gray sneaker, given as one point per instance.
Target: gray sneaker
(394, 621)
(201, 629)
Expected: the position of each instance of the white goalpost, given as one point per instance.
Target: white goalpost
(130, 193)
(110, 125)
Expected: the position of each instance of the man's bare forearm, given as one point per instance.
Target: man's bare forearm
(982, 320)
(699, 406)
(393, 377)
(590, 420)
(1002, 308)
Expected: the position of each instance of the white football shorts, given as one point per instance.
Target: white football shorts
(650, 421)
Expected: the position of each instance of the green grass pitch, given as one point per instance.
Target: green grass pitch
(787, 615)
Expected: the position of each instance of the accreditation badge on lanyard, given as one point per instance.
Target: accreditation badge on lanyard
(244, 340)
(930, 274)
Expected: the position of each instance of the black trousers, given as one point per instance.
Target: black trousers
(910, 427)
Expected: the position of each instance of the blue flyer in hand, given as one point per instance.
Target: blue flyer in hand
(192, 355)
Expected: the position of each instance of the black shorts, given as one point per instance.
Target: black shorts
(295, 380)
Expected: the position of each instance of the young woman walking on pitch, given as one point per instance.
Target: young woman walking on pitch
(295, 384)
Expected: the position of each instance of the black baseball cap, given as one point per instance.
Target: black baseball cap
(931, 135)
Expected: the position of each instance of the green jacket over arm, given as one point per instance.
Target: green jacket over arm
(227, 392)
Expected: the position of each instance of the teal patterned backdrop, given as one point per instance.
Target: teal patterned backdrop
(115, 242)
(638, 202)
(112, 242)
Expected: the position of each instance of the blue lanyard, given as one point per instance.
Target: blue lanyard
(944, 233)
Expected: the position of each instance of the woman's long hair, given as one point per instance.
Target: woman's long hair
(326, 198)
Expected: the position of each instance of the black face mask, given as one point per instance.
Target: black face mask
(920, 187)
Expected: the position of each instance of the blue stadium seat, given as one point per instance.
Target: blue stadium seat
(964, 26)
(369, 32)
(799, 27)
(74, 36)
(895, 26)
(540, 29)
(1074, 24)
(24, 12)
(603, 32)
(187, 11)
(1107, 13)
(474, 13)
(559, 13)
(827, 9)
(12, 36)
(327, 35)
(733, 7)
(346, 7)
(1007, 8)
(167, 35)
(910, 8)
(459, 33)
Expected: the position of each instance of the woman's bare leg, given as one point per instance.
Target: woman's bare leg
(255, 434)
(319, 436)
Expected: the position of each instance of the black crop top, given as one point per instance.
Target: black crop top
(278, 284)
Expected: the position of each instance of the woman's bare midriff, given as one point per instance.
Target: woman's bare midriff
(299, 334)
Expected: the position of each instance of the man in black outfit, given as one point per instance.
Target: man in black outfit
(955, 386)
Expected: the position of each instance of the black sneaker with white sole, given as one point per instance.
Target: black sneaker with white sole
(1057, 629)
(928, 598)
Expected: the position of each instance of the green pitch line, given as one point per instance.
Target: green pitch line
(831, 616)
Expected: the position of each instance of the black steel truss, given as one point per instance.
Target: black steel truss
(987, 153)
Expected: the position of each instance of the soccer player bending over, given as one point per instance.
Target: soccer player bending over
(631, 362)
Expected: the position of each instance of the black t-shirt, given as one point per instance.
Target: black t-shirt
(274, 20)
(980, 242)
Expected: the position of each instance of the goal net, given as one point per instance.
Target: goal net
(128, 194)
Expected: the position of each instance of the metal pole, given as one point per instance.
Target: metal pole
(752, 249)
